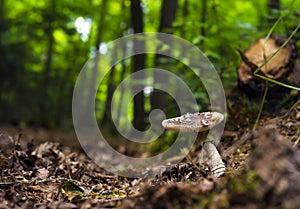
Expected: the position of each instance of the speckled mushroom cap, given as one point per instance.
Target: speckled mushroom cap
(193, 122)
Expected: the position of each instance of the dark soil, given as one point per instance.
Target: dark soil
(39, 169)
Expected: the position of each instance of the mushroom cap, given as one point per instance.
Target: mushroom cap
(193, 122)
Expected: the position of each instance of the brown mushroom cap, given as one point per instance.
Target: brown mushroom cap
(193, 122)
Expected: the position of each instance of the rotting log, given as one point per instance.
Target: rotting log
(282, 67)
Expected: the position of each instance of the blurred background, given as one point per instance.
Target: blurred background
(45, 44)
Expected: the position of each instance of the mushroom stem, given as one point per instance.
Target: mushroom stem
(199, 122)
(216, 164)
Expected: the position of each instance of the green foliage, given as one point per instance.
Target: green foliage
(42, 51)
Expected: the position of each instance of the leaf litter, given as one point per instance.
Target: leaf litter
(263, 171)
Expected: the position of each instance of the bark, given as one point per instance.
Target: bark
(2, 52)
(185, 8)
(168, 16)
(123, 71)
(272, 6)
(92, 78)
(110, 91)
(44, 104)
(2, 18)
(203, 20)
(107, 118)
(138, 64)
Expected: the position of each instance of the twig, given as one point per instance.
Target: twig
(239, 143)
(285, 114)
(261, 106)
(296, 142)
(187, 156)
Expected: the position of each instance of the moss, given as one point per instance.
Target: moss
(109, 194)
(246, 183)
(71, 191)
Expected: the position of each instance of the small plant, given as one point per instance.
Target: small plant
(267, 80)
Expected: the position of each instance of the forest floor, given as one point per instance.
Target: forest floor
(263, 170)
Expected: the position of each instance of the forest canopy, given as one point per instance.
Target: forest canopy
(45, 44)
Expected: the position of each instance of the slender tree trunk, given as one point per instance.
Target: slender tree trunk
(138, 64)
(2, 52)
(123, 71)
(185, 12)
(46, 103)
(110, 90)
(203, 20)
(107, 118)
(92, 78)
(185, 8)
(273, 5)
(2, 18)
(49, 33)
(64, 86)
(168, 16)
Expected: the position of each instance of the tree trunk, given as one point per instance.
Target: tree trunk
(107, 118)
(138, 64)
(203, 20)
(123, 71)
(110, 91)
(92, 77)
(2, 18)
(2, 29)
(122, 76)
(44, 104)
(168, 15)
(273, 5)
(185, 8)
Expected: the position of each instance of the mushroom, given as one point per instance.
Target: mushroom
(199, 122)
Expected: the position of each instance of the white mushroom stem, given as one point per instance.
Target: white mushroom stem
(216, 164)
(199, 122)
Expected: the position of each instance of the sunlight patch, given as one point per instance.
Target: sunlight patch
(83, 27)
